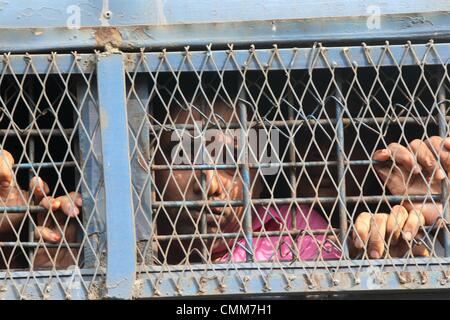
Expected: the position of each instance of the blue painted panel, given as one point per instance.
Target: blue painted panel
(121, 239)
(47, 13)
(43, 26)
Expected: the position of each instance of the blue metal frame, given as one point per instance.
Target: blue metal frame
(69, 285)
(41, 25)
(294, 278)
(121, 263)
(293, 58)
(121, 240)
(45, 14)
(297, 58)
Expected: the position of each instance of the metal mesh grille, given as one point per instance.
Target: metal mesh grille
(49, 126)
(290, 169)
(252, 171)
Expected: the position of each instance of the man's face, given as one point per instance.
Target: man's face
(219, 185)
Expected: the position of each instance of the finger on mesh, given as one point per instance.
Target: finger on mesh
(435, 144)
(419, 249)
(361, 229)
(77, 199)
(39, 188)
(432, 212)
(6, 171)
(395, 223)
(444, 158)
(50, 203)
(440, 148)
(68, 206)
(377, 235)
(427, 159)
(447, 144)
(47, 234)
(412, 225)
(381, 155)
(403, 157)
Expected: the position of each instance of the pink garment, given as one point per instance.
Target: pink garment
(276, 247)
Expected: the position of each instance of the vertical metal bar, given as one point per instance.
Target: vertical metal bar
(77, 155)
(154, 231)
(89, 137)
(139, 124)
(121, 240)
(203, 222)
(292, 170)
(341, 167)
(444, 183)
(31, 155)
(243, 159)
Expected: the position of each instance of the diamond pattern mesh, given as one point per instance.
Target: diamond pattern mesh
(49, 192)
(253, 171)
(303, 174)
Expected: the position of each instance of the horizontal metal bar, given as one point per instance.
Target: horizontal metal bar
(68, 284)
(241, 234)
(36, 132)
(44, 165)
(289, 59)
(158, 167)
(433, 264)
(133, 35)
(210, 203)
(45, 273)
(22, 209)
(292, 123)
(42, 64)
(294, 277)
(308, 200)
(333, 231)
(294, 59)
(38, 245)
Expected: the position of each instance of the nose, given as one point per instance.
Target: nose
(212, 184)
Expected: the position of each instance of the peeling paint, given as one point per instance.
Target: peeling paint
(142, 33)
(108, 37)
(103, 118)
(27, 13)
(38, 32)
(418, 20)
(405, 277)
(160, 15)
(44, 12)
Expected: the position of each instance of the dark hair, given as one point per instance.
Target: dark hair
(188, 89)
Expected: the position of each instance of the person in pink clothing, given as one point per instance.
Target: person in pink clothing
(225, 185)
(369, 233)
(282, 247)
